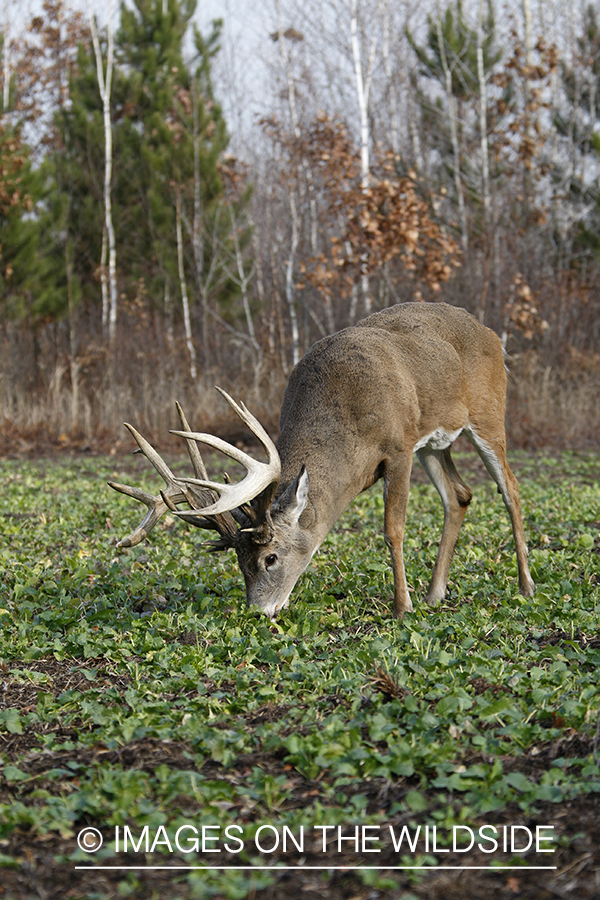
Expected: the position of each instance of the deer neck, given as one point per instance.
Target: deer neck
(331, 485)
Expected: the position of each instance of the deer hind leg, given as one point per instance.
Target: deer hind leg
(494, 459)
(455, 496)
(396, 487)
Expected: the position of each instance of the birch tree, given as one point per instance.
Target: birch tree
(483, 145)
(290, 293)
(109, 279)
(453, 123)
(363, 72)
(529, 103)
(183, 285)
(483, 136)
(392, 96)
(6, 66)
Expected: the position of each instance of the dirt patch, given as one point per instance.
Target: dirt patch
(558, 638)
(41, 866)
(22, 680)
(38, 873)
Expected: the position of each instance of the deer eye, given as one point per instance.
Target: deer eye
(270, 560)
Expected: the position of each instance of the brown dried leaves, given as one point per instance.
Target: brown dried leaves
(375, 221)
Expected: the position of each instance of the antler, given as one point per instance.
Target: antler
(261, 478)
(178, 490)
(226, 502)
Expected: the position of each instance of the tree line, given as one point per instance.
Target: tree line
(400, 154)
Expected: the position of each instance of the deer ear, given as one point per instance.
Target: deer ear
(293, 501)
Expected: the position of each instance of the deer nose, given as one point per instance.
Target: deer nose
(274, 609)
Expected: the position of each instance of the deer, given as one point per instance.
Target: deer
(406, 380)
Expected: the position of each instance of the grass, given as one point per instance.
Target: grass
(138, 692)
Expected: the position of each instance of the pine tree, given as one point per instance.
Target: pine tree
(169, 137)
(460, 58)
(578, 173)
(19, 189)
(176, 134)
(452, 44)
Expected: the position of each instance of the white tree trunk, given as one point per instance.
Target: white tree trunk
(483, 138)
(295, 216)
(257, 251)
(529, 126)
(483, 142)
(104, 86)
(243, 278)
(363, 86)
(362, 95)
(183, 285)
(391, 85)
(453, 122)
(104, 280)
(6, 60)
(289, 280)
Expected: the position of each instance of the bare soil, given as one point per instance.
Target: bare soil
(43, 870)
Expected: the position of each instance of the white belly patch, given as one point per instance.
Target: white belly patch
(439, 439)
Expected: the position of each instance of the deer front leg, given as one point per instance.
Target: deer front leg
(397, 481)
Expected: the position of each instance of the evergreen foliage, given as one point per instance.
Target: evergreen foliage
(19, 189)
(452, 44)
(227, 269)
(167, 131)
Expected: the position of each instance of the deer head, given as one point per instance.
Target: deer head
(272, 549)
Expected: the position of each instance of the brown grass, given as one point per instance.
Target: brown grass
(553, 407)
(49, 401)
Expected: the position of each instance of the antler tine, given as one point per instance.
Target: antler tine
(224, 523)
(156, 508)
(260, 476)
(192, 446)
(254, 425)
(151, 455)
(175, 492)
(178, 490)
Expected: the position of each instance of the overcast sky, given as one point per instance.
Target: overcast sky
(240, 70)
(245, 15)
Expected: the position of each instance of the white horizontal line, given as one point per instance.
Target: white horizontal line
(320, 868)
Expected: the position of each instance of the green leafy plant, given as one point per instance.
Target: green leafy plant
(139, 692)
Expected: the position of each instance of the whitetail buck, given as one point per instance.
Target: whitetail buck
(406, 380)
